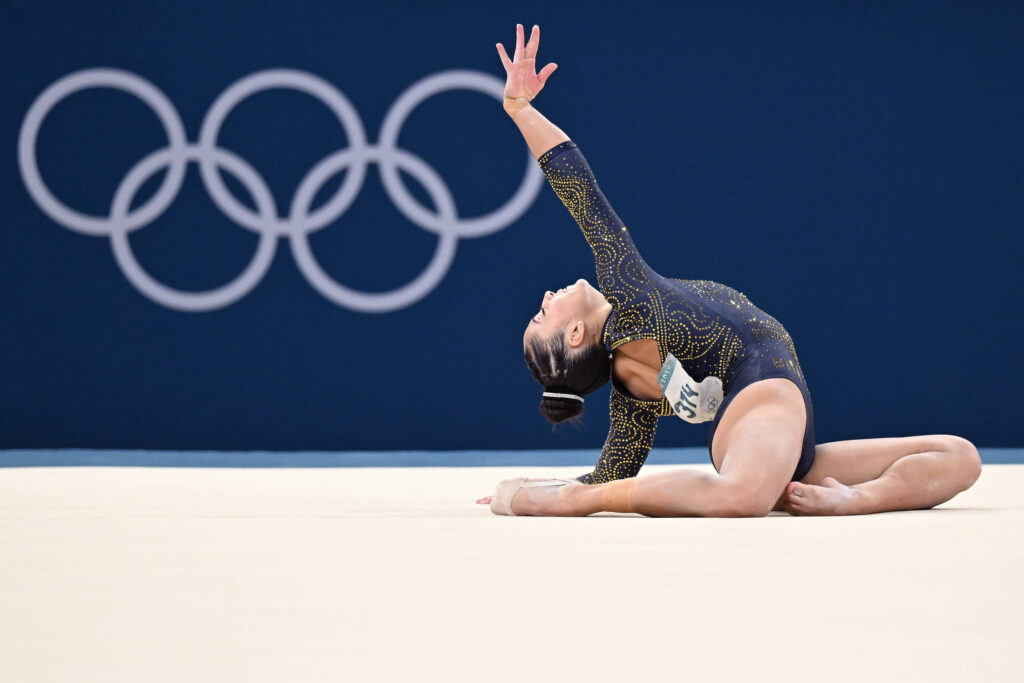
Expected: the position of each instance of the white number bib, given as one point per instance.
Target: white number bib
(692, 401)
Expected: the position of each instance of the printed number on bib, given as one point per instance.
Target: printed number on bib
(692, 401)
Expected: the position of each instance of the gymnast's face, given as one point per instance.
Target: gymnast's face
(563, 311)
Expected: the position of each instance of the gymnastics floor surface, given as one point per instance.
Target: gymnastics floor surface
(394, 574)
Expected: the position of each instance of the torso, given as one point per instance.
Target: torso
(636, 366)
(711, 330)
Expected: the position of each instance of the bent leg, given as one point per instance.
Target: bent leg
(758, 442)
(883, 475)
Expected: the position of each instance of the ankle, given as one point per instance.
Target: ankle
(576, 500)
(547, 501)
(617, 496)
(859, 502)
(571, 500)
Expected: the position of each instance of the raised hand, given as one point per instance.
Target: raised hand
(522, 80)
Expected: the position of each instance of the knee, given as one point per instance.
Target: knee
(966, 457)
(737, 500)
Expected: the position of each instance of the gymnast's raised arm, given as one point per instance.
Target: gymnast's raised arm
(619, 266)
(522, 85)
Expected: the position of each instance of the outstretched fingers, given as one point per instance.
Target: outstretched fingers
(523, 80)
(505, 61)
(523, 52)
(531, 47)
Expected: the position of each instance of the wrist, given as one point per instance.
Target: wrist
(514, 105)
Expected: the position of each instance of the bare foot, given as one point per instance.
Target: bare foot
(832, 498)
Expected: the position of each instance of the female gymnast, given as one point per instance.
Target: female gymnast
(697, 350)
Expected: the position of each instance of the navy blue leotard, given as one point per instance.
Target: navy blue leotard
(710, 328)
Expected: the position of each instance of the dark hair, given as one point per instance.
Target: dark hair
(560, 369)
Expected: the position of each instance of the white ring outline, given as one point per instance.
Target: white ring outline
(388, 140)
(288, 79)
(265, 221)
(175, 298)
(84, 80)
(405, 295)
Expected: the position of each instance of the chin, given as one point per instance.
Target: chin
(589, 289)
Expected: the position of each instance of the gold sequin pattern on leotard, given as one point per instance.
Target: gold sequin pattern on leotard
(708, 327)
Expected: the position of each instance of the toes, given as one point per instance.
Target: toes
(799, 499)
(793, 507)
(793, 501)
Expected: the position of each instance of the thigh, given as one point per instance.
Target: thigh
(759, 439)
(855, 462)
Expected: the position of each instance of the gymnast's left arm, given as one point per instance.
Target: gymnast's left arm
(630, 437)
(522, 84)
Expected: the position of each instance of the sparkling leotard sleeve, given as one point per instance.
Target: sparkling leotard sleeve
(621, 272)
(620, 269)
(630, 435)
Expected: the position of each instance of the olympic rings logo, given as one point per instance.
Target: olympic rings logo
(266, 220)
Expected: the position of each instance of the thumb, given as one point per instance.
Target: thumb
(546, 71)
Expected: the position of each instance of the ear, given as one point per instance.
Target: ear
(577, 333)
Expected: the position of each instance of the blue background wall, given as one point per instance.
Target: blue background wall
(855, 169)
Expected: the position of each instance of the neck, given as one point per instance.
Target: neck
(600, 318)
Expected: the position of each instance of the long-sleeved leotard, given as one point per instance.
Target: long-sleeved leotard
(710, 328)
